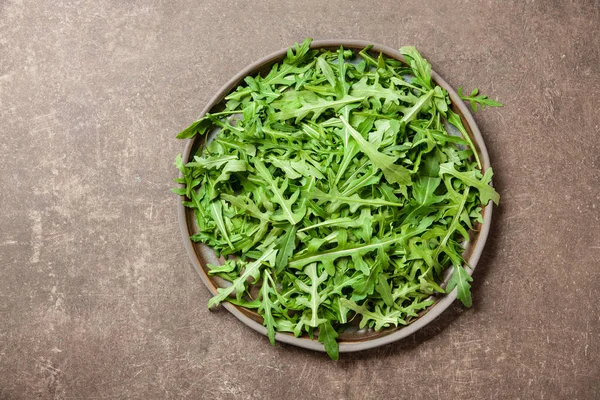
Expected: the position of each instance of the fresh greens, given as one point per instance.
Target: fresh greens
(335, 183)
(476, 100)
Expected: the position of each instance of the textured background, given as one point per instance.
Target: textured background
(97, 297)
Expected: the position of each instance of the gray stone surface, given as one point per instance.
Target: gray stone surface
(97, 297)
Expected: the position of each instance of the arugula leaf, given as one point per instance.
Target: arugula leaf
(210, 163)
(251, 270)
(357, 250)
(247, 205)
(316, 107)
(350, 148)
(473, 178)
(412, 112)
(216, 209)
(420, 67)
(378, 318)
(315, 295)
(376, 90)
(353, 201)
(286, 245)
(475, 100)
(328, 336)
(300, 54)
(384, 290)
(393, 173)
(327, 71)
(266, 306)
(455, 120)
(279, 197)
(200, 126)
(229, 266)
(460, 280)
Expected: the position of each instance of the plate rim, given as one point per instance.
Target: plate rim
(398, 333)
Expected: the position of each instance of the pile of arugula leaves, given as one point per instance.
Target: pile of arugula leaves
(335, 183)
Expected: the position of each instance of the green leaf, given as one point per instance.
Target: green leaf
(393, 173)
(216, 209)
(315, 295)
(455, 120)
(481, 100)
(328, 336)
(363, 89)
(412, 112)
(350, 147)
(341, 85)
(286, 166)
(474, 179)
(315, 107)
(210, 163)
(353, 201)
(460, 280)
(378, 317)
(229, 266)
(179, 191)
(198, 127)
(285, 246)
(327, 71)
(299, 55)
(229, 168)
(455, 224)
(356, 250)
(424, 190)
(420, 67)
(279, 196)
(238, 286)
(384, 290)
(417, 305)
(179, 164)
(266, 306)
(247, 205)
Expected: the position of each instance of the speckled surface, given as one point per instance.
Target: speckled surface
(97, 297)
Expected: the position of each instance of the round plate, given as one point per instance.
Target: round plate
(354, 340)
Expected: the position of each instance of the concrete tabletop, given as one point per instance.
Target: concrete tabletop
(97, 296)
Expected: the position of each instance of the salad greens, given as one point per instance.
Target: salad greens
(339, 188)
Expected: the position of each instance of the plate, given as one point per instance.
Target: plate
(351, 339)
